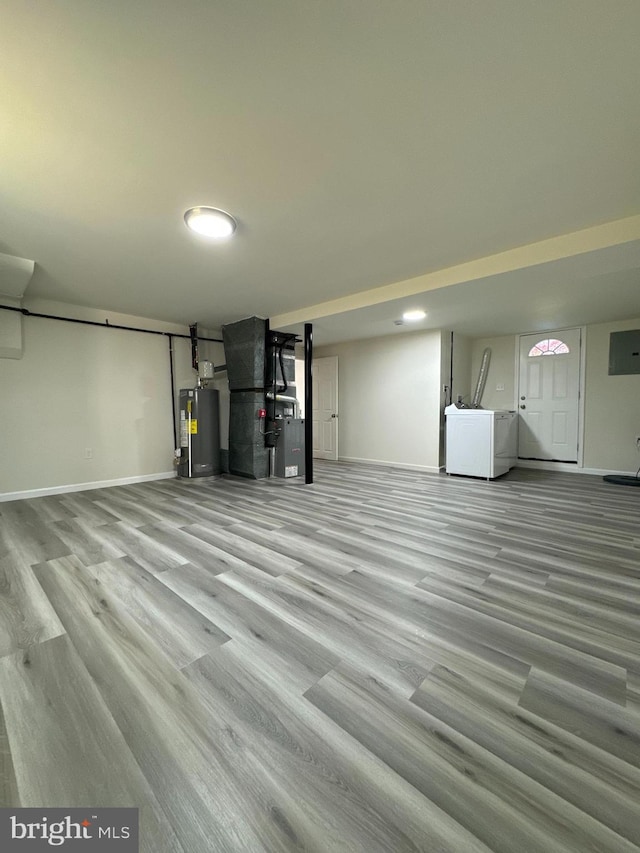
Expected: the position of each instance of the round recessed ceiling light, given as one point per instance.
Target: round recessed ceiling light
(210, 222)
(413, 316)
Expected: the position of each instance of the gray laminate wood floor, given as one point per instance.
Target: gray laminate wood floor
(383, 661)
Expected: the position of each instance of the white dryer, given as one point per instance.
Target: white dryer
(480, 442)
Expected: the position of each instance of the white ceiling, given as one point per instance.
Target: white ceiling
(358, 144)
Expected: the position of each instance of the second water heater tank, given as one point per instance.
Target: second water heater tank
(199, 433)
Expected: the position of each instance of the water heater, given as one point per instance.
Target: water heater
(199, 433)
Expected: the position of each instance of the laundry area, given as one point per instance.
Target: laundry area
(479, 442)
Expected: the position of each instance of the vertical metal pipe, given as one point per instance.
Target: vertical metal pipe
(449, 401)
(173, 393)
(274, 409)
(308, 404)
(193, 333)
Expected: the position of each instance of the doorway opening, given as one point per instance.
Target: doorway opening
(325, 408)
(549, 376)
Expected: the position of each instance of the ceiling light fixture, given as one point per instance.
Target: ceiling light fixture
(210, 222)
(413, 316)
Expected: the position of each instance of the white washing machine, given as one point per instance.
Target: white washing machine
(480, 442)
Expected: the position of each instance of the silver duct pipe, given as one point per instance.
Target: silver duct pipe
(482, 378)
(284, 398)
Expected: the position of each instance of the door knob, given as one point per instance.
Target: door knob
(522, 406)
(523, 398)
(334, 416)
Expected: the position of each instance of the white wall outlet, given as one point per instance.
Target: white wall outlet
(500, 386)
(88, 453)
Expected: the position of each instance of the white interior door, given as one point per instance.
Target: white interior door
(549, 384)
(325, 408)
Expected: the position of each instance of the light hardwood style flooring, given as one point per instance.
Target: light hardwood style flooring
(384, 661)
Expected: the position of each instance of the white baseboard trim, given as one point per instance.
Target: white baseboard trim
(569, 468)
(82, 487)
(430, 469)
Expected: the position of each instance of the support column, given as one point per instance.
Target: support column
(308, 404)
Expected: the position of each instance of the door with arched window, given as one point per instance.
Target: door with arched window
(549, 384)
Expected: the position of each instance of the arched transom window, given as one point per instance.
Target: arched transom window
(550, 346)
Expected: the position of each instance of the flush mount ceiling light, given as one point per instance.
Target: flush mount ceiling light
(413, 316)
(210, 222)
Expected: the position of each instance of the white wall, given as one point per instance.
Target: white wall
(389, 399)
(612, 405)
(82, 387)
(10, 329)
(461, 367)
(458, 382)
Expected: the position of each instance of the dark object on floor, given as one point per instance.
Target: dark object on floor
(622, 480)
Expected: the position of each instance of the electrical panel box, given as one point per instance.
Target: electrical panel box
(290, 448)
(624, 352)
